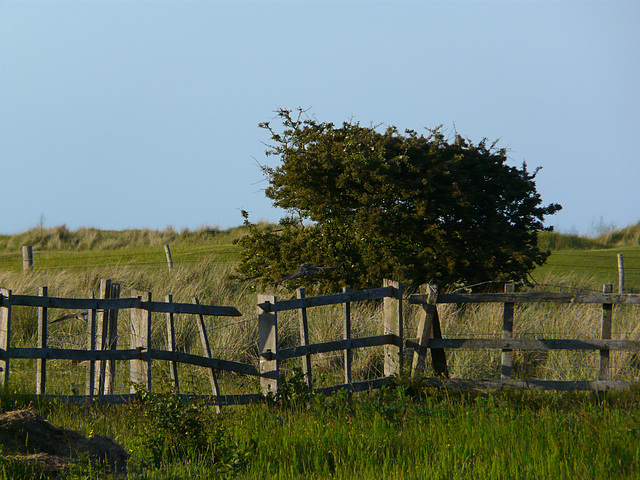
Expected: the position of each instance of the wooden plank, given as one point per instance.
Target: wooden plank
(531, 297)
(527, 344)
(268, 343)
(507, 334)
(607, 316)
(392, 318)
(333, 299)
(346, 335)
(130, 354)
(332, 346)
(424, 330)
(304, 341)
(41, 363)
(188, 308)
(5, 334)
(206, 348)
(140, 334)
(78, 355)
(167, 251)
(171, 346)
(77, 303)
(356, 386)
(112, 342)
(558, 385)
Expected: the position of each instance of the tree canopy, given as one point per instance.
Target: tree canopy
(412, 207)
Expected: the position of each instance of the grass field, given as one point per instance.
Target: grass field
(407, 431)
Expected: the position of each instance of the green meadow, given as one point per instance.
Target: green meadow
(405, 431)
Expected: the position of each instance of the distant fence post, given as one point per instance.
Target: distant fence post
(268, 343)
(5, 335)
(41, 363)
(507, 334)
(346, 335)
(27, 258)
(620, 274)
(140, 370)
(304, 340)
(607, 316)
(167, 252)
(392, 312)
(171, 346)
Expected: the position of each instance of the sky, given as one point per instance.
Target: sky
(144, 114)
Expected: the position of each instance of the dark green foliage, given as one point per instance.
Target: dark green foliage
(405, 206)
(171, 429)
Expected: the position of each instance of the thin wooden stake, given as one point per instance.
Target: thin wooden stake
(346, 335)
(620, 274)
(607, 316)
(102, 330)
(304, 340)
(112, 342)
(5, 335)
(91, 345)
(507, 334)
(167, 252)
(41, 363)
(204, 339)
(171, 346)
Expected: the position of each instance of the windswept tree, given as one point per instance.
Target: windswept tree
(416, 208)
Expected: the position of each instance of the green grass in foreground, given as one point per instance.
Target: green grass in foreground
(397, 433)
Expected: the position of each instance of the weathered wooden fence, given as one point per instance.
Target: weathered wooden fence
(429, 338)
(102, 350)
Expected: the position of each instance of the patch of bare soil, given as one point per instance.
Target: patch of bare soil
(27, 437)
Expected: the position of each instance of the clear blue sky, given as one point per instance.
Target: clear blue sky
(123, 114)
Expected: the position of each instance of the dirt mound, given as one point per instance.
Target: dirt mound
(27, 437)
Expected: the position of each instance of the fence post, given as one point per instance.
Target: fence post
(167, 252)
(507, 334)
(112, 342)
(102, 329)
(348, 353)
(27, 258)
(607, 315)
(41, 363)
(620, 274)
(268, 342)
(424, 330)
(5, 335)
(204, 339)
(90, 380)
(304, 340)
(392, 312)
(171, 346)
(140, 370)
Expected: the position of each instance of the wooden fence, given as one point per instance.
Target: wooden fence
(102, 349)
(429, 338)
